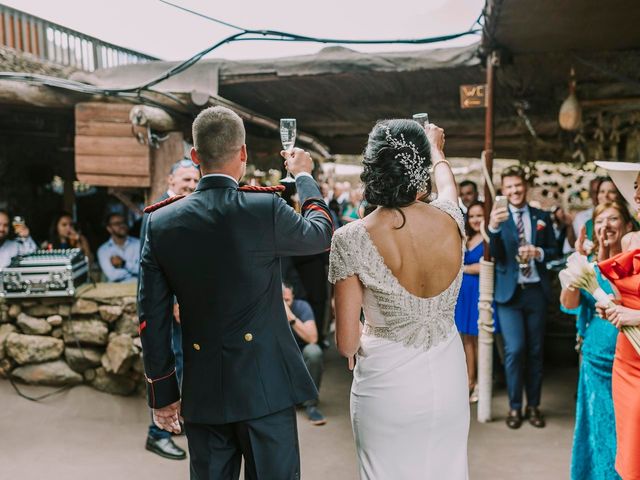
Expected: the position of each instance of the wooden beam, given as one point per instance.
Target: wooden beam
(604, 102)
(103, 129)
(20, 93)
(107, 165)
(103, 112)
(114, 180)
(107, 146)
(152, 117)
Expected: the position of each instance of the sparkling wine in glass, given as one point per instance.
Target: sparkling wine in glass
(421, 118)
(288, 139)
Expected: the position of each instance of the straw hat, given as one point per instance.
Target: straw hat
(624, 175)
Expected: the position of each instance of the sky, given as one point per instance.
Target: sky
(160, 30)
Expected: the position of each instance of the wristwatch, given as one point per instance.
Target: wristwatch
(293, 321)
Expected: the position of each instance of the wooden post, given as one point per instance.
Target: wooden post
(485, 301)
(488, 144)
(170, 151)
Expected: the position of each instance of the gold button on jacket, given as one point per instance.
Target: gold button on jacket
(196, 346)
(248, 337)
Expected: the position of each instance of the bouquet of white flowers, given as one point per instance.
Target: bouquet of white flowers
(579, 273)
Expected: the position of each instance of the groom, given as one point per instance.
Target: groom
(218, 252)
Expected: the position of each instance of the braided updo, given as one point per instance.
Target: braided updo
(386, 181)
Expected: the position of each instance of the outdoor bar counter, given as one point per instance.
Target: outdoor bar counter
(89, 338)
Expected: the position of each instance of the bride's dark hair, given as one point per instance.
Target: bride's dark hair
(386, 181)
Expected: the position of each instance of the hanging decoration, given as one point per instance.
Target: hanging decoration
(570, 117)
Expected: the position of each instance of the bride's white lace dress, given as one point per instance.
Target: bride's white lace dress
(409, 398)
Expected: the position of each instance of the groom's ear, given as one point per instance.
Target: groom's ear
(194, 156)
(243, 153)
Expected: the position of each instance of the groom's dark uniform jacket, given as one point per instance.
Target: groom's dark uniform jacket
(218, 250)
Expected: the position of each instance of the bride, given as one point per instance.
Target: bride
(402, 265)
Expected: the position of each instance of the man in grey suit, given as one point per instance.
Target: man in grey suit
(218, 251)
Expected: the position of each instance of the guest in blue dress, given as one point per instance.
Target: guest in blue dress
(594, 439)
(466, 314)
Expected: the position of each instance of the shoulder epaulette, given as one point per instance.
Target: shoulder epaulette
(156, 206)
(254, 188)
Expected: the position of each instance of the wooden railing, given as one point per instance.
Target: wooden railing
(55, 43)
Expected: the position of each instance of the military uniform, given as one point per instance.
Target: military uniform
(218, 252)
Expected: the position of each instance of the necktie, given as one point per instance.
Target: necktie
(526, 271)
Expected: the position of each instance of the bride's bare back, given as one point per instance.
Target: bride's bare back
(425, 254)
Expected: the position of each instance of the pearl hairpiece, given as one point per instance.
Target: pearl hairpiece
(413, 163)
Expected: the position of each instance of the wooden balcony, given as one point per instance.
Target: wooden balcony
(63, 46)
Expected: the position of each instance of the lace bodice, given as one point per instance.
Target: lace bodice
(392, 312)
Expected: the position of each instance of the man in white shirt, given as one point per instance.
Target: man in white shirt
(22, 244)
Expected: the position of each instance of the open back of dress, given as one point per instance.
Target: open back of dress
(409, 398)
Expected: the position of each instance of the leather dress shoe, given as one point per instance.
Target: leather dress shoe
(535, 417)
(165, 447)
(514, 419)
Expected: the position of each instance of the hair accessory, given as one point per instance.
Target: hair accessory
(412, 162)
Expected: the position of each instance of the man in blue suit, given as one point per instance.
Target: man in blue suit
(522, 240)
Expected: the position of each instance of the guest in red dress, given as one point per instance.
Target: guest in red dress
(624, 272)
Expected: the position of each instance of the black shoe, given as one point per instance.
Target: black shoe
(315, 416)
(165, 448)
(535, 417)
(514, 419)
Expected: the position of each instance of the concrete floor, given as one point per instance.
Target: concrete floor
(83, 434)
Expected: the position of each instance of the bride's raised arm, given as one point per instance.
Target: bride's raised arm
(442, 174)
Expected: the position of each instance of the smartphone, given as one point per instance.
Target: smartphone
(501, 202)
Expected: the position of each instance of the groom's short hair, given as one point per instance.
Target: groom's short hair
(218, 133)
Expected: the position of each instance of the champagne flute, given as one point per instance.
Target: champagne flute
(421, 118)
(288, 139)
(522, 263)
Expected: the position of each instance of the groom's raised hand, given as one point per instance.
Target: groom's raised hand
(168, 418)
(297, 161)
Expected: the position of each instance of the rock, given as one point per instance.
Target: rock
(112, 383)
(138, 365)
(110, 313)
(14, 310)
(4, 313)
(56, 333)
(89, 375)
(6, 365)
(106, 364)
(54, 320)
(110, 293)
(130, 304)
(5, 331)
(55, 373)
(121, 353)
(32, 325)
(64, 309)
(127, 324)
(81, 359)
(84, 307)
(92, 332)
(33, 348)
(42, 310)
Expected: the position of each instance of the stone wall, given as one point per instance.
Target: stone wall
(91, 338)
